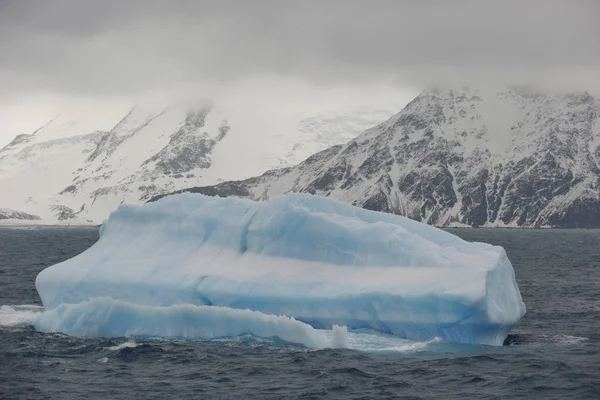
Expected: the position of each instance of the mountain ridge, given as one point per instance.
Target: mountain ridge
(469, 157)
(64, 174)
(10, 214)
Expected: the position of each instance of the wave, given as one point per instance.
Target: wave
(130, 344)
(19, 315)
(373, 341)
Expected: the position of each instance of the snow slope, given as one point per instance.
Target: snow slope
(13, 215)
(66, 171)
(320, 261)
(467, 157)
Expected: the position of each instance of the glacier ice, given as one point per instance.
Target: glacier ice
(320, 261)
(123, 319)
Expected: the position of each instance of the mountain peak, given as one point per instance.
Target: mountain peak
(462, 156)
(68, 171)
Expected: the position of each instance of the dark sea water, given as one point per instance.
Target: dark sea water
(554, 353)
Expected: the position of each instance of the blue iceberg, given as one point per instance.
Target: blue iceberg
(196, 266)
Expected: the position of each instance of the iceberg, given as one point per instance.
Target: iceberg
(316, 262)
(122, 319)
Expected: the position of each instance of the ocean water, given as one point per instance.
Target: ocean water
(554, 352)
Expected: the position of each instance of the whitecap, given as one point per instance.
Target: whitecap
(372, 341)
(19, 314)
(126, 345)
(568, 339)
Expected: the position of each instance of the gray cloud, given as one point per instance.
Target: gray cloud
(122, 47)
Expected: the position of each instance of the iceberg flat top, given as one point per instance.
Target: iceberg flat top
(321, 261)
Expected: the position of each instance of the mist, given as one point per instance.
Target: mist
(108, 55)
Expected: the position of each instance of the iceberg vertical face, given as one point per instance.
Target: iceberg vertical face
(322, 262)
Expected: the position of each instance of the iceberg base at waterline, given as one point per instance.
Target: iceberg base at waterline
(109, 318)
(189, 261)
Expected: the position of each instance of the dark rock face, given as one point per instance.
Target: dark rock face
(223, 190)
(64, 213)
(189, 147)
(511, 158)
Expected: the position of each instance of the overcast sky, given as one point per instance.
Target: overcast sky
(108, 53)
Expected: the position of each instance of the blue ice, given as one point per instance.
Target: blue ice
(318, 262)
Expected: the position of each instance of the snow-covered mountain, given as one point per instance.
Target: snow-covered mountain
(514, 157)
(67, 171)
(7, 213)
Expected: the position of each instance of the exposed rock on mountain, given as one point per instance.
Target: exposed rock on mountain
(7, 213)
(516, 157)
(64, 174)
